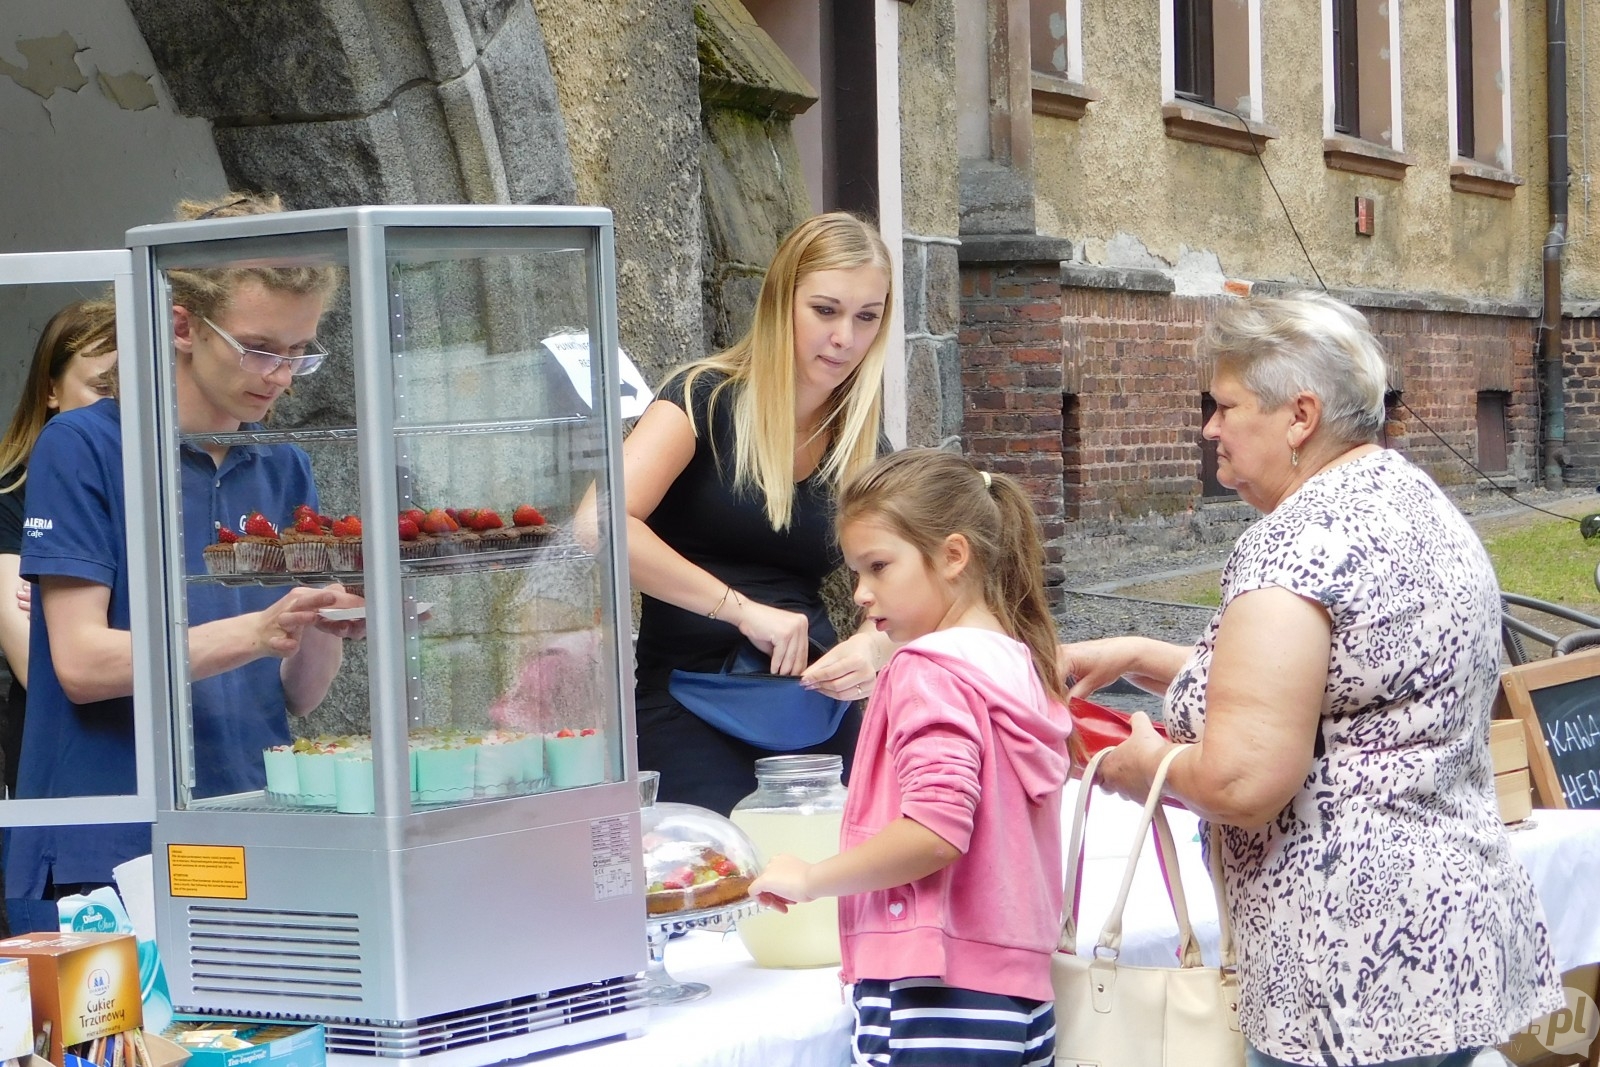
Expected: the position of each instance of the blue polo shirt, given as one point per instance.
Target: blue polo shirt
(76, 527)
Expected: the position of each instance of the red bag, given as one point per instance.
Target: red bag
(1098, 726)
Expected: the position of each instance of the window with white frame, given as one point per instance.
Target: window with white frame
(1055, 30)
(1479, 77)
(1361, 50)
(1211, 54)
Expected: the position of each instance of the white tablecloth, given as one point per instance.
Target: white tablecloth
(1559, 848)
(761, 1018)
(751, 1018)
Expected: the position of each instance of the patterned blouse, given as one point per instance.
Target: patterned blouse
(1381, 915)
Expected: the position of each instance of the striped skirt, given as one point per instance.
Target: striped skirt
(921, 1022)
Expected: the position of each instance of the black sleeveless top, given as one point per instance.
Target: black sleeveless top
(705, 520)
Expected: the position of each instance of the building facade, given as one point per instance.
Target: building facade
(1125, 166)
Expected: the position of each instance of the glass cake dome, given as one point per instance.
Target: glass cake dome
(694, 859)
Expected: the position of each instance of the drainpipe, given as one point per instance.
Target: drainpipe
(1555, 242)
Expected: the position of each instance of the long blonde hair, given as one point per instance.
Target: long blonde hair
(923, 495)
(762, 362)
(82, 327)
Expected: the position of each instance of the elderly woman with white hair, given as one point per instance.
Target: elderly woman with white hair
(1334, 719)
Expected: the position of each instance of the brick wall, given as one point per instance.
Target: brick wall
(1091, 395)
(1131, 445)
(1581, 349)
(1011, 383)
(1445, 359)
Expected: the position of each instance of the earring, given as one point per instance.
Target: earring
(1294, 457)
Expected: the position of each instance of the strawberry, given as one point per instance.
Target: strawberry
(349, 526)
(416, 515)
(725, 867)
(453, 513)
(526, 515)
(438, 521)
(257, 525)
(408, 529)
(465, 516)
(682, 878)
(307, 523)
(565, 733)
(587, 732)
(486, 519)
(225, 536)
(303, 511)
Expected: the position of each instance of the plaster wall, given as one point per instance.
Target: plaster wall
(1581, 270)
(1116, 184)
(93, 147)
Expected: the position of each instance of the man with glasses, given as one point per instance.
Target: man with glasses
(241, 335)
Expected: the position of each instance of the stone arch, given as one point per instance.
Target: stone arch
(338, 102)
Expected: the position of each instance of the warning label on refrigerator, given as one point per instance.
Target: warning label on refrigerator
(611, 857)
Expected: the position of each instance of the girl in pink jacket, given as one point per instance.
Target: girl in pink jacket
(950, 861)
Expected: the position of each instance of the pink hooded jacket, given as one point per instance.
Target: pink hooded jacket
(961, 737)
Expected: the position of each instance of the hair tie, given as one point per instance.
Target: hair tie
(987, 481)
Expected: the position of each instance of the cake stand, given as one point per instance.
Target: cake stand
(661, 987)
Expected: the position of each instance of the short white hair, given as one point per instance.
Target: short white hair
(1279, 347)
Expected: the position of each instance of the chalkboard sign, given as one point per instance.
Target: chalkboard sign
(1558, 701)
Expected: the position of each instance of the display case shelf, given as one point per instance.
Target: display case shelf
(316, 435)
(559, 549)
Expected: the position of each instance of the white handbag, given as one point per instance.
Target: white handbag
(1110, 1014)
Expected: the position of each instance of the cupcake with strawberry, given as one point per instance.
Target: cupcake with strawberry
(529, 525)
(259, 551)
(305, 544)
(493, 533)
(414, 544)
(344, 550)
(219, 557)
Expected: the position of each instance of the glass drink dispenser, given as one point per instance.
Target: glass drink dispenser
(425, 836)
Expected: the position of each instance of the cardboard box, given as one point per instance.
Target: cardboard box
(1508, 745)
(83, 986)
(16, 1010)
(1514, 792)
(283, 1044)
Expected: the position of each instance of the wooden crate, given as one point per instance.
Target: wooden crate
(1513, 783)
(1513, 790)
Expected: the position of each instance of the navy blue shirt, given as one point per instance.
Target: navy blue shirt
(76, 527)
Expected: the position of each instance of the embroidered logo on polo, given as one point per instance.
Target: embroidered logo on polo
(36, 527)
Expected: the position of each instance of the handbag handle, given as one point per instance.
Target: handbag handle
(1153, 816)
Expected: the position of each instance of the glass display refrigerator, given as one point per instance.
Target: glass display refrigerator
(424, 836)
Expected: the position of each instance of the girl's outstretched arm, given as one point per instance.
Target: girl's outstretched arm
(900, 853)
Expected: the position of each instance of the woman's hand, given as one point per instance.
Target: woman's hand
(847, 671)
(783, 883)
(785, 635)
(1129, 768)
(1151, 665)
(1087, 666)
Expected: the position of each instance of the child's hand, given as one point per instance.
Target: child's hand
(783, 883)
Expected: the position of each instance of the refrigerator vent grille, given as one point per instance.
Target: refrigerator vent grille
(451, 1037)
(282, 953)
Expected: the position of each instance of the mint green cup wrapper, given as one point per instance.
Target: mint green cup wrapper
(353, 785)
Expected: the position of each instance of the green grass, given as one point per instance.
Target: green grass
(1549, 560)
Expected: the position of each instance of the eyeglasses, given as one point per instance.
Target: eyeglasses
(264, 363)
